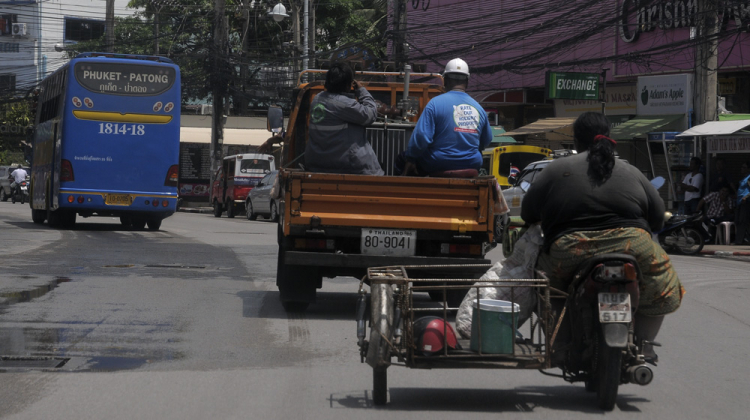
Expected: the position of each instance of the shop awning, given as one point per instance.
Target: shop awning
(545, 125)
(639, 126)
(499, 136)
(232, 136)
(733, 117)
(716, 128)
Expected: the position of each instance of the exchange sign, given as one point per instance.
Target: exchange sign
(572, 85)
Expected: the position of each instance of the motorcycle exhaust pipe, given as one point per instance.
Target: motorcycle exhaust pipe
(640, 374)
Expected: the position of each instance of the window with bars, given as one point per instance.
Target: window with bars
(6, 24)
(7, 83)
(83, 29)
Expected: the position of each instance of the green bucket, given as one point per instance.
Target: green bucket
(499, 323)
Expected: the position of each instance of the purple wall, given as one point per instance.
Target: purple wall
(511, 43)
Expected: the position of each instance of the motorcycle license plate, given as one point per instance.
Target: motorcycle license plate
(614, 307)
(398, 243)
(118, 199)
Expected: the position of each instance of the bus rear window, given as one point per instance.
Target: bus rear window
(124, 79)
(255, 166)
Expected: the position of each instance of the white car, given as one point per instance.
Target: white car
(260, 201)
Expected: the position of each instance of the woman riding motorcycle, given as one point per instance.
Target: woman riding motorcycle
(591, 204)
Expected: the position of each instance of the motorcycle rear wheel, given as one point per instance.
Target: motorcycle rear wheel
(608, 371)
(695, 236)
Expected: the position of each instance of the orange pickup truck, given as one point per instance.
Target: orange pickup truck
(339, 225)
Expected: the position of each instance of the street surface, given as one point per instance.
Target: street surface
(185, 323)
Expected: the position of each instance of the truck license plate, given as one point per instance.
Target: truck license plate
(614, 307)
(398, 243)
(118, 199)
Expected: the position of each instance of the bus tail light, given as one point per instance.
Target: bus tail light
(171, 180)
(66, 171)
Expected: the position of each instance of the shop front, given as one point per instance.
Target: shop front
(663, 105)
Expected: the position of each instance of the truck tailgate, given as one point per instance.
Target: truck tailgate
(461, 205)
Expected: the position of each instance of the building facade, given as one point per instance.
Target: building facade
(31, 29)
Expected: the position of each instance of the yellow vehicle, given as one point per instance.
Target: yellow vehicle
(501, 160)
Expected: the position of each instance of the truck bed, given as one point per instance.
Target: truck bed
(444, 204)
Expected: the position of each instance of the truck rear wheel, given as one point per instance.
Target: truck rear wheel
(297, 284)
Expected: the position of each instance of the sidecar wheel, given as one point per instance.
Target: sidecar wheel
(380, 386)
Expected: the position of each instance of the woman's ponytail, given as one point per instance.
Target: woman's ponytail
(591, 130)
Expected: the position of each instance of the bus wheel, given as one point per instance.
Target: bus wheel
(38, 216)
(54, 219)
(139, 224)
(217, 209)
(68, 219)
(154, 224)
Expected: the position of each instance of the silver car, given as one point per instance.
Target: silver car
(260, 200)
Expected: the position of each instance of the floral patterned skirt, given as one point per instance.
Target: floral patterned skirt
(661, 290)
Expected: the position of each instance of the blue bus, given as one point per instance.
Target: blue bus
(107, 141)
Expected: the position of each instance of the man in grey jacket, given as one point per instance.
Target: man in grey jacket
(337, 142)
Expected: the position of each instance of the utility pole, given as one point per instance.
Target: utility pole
(110, 26)
(219, 88)
(157, 9)
(706, 71)
(401, 48)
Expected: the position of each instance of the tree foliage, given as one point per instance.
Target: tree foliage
(16, 119)
(255, 45)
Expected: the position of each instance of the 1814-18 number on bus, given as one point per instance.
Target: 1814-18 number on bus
(122, 129)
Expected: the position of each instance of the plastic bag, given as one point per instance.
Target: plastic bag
(519, 265)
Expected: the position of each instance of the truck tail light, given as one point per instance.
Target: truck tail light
(307, 243)
(171, 180)
(466, 249)
(66, 171)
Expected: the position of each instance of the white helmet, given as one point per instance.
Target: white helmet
(457, 66)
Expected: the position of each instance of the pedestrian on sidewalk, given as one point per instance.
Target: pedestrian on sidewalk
(719, 207)
(692, 184)
(743, 205)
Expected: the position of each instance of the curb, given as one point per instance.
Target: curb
(202, 210)
(727, 253)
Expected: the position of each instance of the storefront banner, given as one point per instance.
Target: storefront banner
(619, 100)
(661, 95)
(728, 144)
(572, 85)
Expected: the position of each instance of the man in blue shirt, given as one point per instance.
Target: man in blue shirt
(452, 130)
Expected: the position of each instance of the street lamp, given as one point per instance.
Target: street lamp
(278, 13)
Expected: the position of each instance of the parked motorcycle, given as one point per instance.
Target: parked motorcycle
(602, 349)
(683, 233)
(20, 192)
